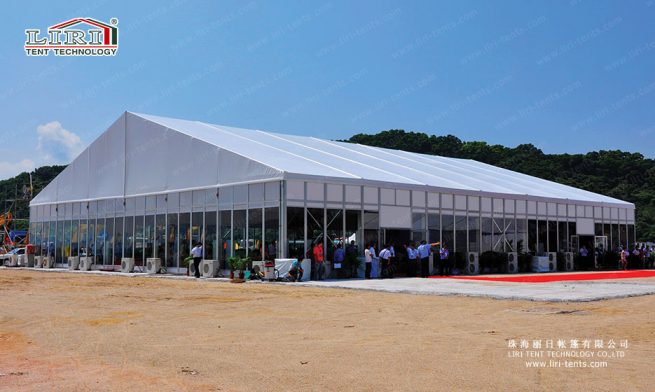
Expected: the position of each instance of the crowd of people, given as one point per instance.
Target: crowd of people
(641, 256)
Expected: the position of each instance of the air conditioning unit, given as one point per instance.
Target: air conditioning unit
(26, 260)
(473, 263)
(209, 268)
(12, 261)
(569, 261)
(73, 263)
(153, 265)
(86, 263)
(552, 261)
(192, 268)
(127, 264)
(512, 262)
(48, 261)
(38, 261)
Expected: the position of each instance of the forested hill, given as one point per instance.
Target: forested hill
(621, 175)
(15, 195)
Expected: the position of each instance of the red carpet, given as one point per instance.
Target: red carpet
(550, 277)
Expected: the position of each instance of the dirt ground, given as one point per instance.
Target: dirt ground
(79, 332)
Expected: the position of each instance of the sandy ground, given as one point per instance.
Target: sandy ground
(76, 332)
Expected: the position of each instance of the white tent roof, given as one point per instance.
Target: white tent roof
(144, 154)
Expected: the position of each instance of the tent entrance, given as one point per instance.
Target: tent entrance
(398, 238)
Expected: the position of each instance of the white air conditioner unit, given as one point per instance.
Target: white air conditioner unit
(192, 268)
(569, 261)
(512, 262)
(153, 265)
(552, 261)
(86, 263)
(127, 264)
(209, 268)
(473, 263)
(38, 261)
(48, 261)
(24, 261)
(73, 263)
(12, 261)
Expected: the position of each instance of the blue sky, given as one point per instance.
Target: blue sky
(568, 76)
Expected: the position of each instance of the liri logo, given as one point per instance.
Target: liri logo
(99, 39)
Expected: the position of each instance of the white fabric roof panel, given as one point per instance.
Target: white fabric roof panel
(164, 154)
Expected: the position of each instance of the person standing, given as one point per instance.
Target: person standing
(624, 259)
(368, 260)
(385, 262)
(196, 252)
(424, 254)
(339, 257)
(444, 262)
(412, 256)
(319, 258)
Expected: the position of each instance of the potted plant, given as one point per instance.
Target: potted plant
(238, 265)
(186, 262)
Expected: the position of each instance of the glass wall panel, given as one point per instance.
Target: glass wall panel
(255, 220)
(447, 230)
(434, 228)
(498, 229)
(149, 237)
(608, 232)
(334, 231)
(542, 234)
(353, 227)
(552, 236)
(172, 248)
(623, 235)
(460, 234)
(55, 241)
(271, 231)
(91, 238)
(572, 232)
(185, 237)
(118, 240)
(598, 228)
(314, 228)
(562, 237)
(532, 236)
(296, 232)
(486, 232)
(59, 239)
(371, 228)
(139, 239)
(632, 239)
(109, 241)
(474, 233)
(83, 236)
(239, 232)
(128, 237)
(225, 233)
(615, 236)
(100, 241)
(197, 231)
(510, 235)
(75, 228)
(67, 240)
(210, 245)
(160, 236)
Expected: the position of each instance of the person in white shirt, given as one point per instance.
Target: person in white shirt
(385, 263)
(412, 257)
(196, 252)
(368, 258)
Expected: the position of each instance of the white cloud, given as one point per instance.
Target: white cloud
(10, 169)
(58, 145)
